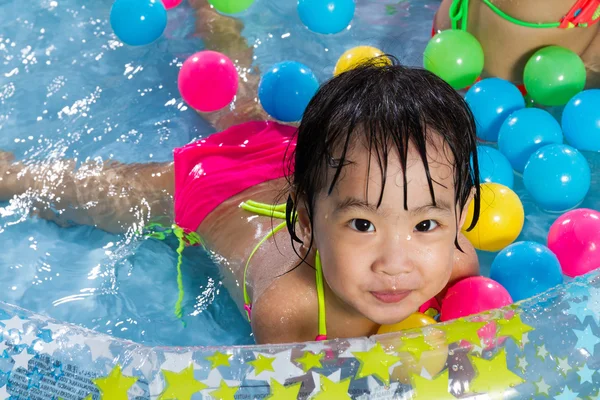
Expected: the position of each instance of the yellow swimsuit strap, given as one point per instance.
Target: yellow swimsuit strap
(278, 211)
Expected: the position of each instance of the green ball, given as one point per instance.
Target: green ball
(455, 56)
(553, 75)
(231, 6)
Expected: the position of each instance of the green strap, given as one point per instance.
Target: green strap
(320, 295)
(459, 12)
(278, 211)
(191, 238)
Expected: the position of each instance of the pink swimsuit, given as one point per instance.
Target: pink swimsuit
(211, 170)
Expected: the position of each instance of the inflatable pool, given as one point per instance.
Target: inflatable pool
(542, 347)
(94, 317)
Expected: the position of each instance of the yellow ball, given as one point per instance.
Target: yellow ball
(501, 218)
(357, 55)
(416, 320)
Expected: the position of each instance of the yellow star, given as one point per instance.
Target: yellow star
(436, 388)
(514, 328)
(224, 392)
(262, 364)
(219, 359)
(493, 375)
(280, 392)
(375, 362)
(462, 329)
(333, 391)
(181, 385)
(310, 360)
(115, 385)
(415, 346)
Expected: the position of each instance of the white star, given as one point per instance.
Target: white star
(3, 393)
(156, 386)
(99, 348)
(542, 352)
(425, 374)
(42, 347)
(56, 329)
(542, 386)
(525, 339)
(29, 337)
(142, 359)
(214, 380)
(356, 345)
(74, 339)
(334, 377)
(315, 347)
(22, 359)
(176, 362)
(563, 364)
(523, 363)
(13, 323)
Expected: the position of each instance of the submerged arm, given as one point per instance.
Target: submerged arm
(110, 196)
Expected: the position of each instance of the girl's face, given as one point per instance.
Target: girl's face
(384, 262)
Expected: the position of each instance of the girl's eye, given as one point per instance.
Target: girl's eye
(426, 226)
(362, 225)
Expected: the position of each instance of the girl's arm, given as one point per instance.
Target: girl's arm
(111, 196)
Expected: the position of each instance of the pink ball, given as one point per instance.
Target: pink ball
(473, 295)
(575, 239)
(208, 81)
(171, 3)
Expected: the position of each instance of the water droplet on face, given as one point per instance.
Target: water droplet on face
(408, 237)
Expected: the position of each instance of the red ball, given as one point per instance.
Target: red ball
(575, 239)
(473, 295)
(208, 81)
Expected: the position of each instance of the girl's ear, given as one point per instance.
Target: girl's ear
(304, 227)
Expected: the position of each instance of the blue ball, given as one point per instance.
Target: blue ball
(557, 176)
(581, 120)
(285, 90)
(526, 269)
(138, 22)
(326, 16)
(494, 167)
(525, 131)
(492, 100)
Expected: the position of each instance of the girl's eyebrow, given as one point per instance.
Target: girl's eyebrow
(350, 202)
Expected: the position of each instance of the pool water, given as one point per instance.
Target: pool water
(69, 89)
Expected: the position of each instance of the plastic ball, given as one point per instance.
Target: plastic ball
(501, 218)
(285, 90)
(494, 167)
(231, 6)
(553, 75)
(138, 22)
(575, 239)
(581, 120)
(472, 296)
(526, 269)
(326, 16)
(455, 56)
(358, 55)
(208, 81)
(492, 100)
(524, 132)
(416, 320)
(557, 176)
(171, 3)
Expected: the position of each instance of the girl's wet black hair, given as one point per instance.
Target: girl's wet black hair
(387, 107)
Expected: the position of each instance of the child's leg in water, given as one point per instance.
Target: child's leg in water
(113, 196)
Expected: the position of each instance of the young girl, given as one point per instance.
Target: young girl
(375, 182)
(510, 32)
(380, 183)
